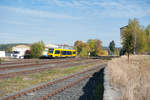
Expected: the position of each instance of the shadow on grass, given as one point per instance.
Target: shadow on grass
(94, 88)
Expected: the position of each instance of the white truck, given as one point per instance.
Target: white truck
(18, 54)
(2, 54)
(19, 51)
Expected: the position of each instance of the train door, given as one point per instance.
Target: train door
(74, 53)
(63, 53)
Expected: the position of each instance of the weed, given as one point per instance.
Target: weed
(131, 78)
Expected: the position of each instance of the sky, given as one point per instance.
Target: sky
(65, 21)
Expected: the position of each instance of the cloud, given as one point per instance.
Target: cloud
(109, 8)
(37, 13)
(103, 8)
(124, 9)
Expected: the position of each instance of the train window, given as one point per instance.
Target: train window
(69, 53)
(57, 52)
(63, 52)
(74, 52)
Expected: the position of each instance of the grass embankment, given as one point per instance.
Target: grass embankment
(132, 79)
(24, 81)
(1, 60)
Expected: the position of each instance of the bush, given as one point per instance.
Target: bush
(37, 49)
(0, 60)
(103, 53)
(84, 52)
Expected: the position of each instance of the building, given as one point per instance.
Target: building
(21, 48)
(51, 46)
(121, 29)
(65, 46)
(62, 46)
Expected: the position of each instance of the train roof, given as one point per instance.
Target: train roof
(61, 49)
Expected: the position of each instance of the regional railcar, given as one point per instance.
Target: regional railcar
(56, 52)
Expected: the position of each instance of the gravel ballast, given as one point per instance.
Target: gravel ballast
(76, 92)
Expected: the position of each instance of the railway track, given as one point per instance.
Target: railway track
(58, 65)
(23, 61)
(46, 90)
(32, 63)
(26, 61)
(36, 64)
(18, 61)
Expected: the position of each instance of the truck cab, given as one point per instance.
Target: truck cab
(18, 54)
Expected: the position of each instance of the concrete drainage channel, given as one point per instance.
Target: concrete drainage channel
(49, 89)
(110, 93)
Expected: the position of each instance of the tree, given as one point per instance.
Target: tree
(112, 47)
(37, 49)
(85, 50)
(78, 46)
(95, 47)
(91, 43)
(92, 46)
(147, 31)
(135, 32)
(134, 26)
(116, 52)
(98, 47)
(82, 48)
(141, 42)
(128, 40)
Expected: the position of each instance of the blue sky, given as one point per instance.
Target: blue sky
(65, 21)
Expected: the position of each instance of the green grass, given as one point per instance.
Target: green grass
(24, 81)
(1, 60)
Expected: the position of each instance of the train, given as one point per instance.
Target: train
(58, 53)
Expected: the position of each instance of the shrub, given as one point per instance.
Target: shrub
(0, 60)
(37, 49)
(84, 52)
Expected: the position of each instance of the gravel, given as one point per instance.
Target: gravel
(46, 66)
(77, 92)
(85, 90)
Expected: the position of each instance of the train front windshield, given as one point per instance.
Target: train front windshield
(51, 50)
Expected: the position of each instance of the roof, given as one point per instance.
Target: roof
(21, 46)
(51, 46)
(26, 47)
(124, 27)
